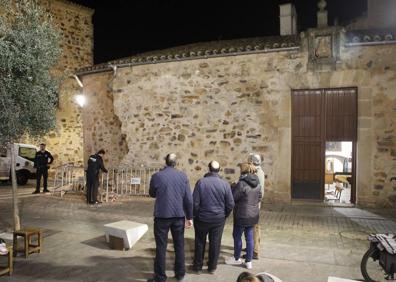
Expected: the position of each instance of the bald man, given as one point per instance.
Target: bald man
(172, 211)
(213, 203)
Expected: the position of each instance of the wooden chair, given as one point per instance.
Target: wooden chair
(9, 267)
(29, 246)
(329, 179)
(338, 190)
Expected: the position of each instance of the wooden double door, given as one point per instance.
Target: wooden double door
(320, 116)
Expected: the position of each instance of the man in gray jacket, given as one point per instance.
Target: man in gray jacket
(255, 159)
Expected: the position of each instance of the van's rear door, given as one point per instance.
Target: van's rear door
(5, 164)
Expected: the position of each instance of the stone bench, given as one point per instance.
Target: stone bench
(130, 232)
(336, 279)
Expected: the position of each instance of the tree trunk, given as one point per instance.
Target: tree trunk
(17, 222)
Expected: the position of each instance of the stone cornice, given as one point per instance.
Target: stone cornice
(370, 37)
(203, 51)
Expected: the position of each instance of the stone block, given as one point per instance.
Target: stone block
(337, 279)
(129, 231)
(365, 93)
(364, 122)
(365, 108)
(229, 171)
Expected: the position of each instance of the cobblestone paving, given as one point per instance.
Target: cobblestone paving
(300, 243)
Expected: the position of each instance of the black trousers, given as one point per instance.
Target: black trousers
(215, 232)
(92, 188)
(161, 230)
(41, 172)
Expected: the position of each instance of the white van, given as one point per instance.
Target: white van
(24, 162)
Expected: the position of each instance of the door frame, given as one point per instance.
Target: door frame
(323, 143)
(354, 146)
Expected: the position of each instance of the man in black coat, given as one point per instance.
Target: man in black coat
(213, 202)
(95, 164)
(172, 211)
(42, 160)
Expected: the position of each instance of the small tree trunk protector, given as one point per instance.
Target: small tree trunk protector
(17, 222)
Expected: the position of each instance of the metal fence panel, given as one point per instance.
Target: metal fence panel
(118, 182)
(68, 178)
(126, 181)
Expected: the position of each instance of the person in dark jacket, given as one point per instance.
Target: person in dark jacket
(213, 202)
(42, 162)
(173, 210)
(95, 165)
(247, 196)
(255, 159)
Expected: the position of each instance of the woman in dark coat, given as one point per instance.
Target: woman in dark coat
(247, 196)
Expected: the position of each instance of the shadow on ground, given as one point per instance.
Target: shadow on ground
(97, 268)
(98, 243)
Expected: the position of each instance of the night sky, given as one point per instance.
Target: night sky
(127, 27)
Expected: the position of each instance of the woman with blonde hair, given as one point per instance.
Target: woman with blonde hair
(247, 196)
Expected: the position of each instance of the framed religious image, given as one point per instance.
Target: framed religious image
(323, 46)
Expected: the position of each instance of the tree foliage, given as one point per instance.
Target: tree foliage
(29, 50)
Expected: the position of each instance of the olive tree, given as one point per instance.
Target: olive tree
(29, 51)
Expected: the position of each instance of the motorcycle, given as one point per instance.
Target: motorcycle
(379, 262)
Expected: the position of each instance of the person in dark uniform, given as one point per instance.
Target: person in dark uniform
(42, 161)
(95, 164)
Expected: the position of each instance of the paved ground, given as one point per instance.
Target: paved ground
(301, 243)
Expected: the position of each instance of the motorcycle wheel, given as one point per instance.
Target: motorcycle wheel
(370, 268)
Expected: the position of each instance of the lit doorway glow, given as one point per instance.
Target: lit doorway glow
(338, 172)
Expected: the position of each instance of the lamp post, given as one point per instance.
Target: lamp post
(80, 100)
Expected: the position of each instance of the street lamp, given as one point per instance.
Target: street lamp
(79, 82)
(81, 100)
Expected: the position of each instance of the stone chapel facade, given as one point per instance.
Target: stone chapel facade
(223, 100)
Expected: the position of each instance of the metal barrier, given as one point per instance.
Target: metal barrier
(68, 178)
(120, 182)
(116, 183)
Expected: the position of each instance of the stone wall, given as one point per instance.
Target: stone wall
(219, 109)
(102, 128)
(373, 70)
(224, 108)
(75, 24)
